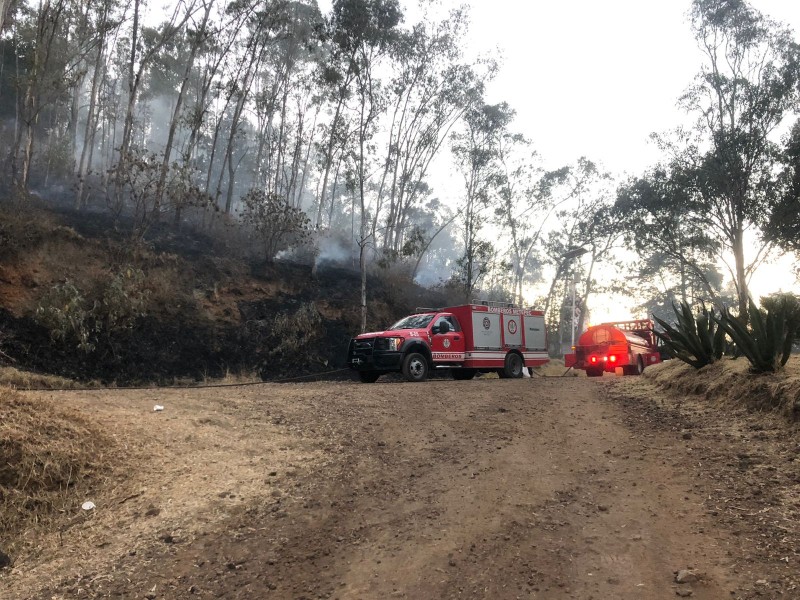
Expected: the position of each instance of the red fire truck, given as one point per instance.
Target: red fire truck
(465, 339)
(624, 348)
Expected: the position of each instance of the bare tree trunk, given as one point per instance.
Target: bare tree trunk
(329, 159)
(5, 5)
(742, 292)
(310, 143)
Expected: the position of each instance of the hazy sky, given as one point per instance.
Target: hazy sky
(595, 79)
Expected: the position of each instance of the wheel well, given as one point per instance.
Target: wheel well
(420, 348)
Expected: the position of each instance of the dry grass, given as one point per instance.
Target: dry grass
(232, 378)
(556, 368)
(729, 381)
(25, 380)
(50, 456)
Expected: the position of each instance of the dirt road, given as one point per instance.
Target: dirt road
(537, 488)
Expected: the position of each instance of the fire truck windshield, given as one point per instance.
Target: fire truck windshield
(413, 322)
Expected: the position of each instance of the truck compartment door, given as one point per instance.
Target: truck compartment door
(486, 330)
(534, 332)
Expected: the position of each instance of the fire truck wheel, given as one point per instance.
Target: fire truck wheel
(514, 365)
(415, 367)
(463, 374)
(368, 376)
(594, 372)
(639, 365)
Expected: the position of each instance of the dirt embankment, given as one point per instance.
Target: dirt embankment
(535, 488)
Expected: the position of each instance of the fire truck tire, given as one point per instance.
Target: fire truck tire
(415, 367)
(639, 366)
(368, 376)
(594, 372)
(463, 374)
(513, 366)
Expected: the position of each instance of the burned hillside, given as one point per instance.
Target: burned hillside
(79, 300)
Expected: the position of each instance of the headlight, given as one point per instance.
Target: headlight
(394, 343)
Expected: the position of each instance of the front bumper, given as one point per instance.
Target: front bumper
(363, 356)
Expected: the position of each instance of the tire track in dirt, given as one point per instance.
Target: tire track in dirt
(477, 489)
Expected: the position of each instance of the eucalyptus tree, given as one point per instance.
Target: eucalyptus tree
(585, 235)
(335, 79)
(285, 104)
(145, 45)
(194, 37)
(748, 86)
(475, 148)
(48, 71)
(663, 223)
(525, 205)
(261, 24)
(106, 22)
(428, 94)
(215, 55)
(362, 33)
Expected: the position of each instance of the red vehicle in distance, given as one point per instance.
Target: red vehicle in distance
(624, 348)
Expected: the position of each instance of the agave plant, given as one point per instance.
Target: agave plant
(698, 341)
(767, 344)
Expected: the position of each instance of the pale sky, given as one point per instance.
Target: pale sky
(596, 78)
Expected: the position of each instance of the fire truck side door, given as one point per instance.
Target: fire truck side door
(447, 347)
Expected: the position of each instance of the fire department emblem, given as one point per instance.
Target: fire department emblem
(486, 323)
(512, 327)
(446, 343)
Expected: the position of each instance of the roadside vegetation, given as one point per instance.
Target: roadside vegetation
(764, 336)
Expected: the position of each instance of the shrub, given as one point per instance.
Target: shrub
(767, 343)
(698, 341)
(62, 311)
(73, 316)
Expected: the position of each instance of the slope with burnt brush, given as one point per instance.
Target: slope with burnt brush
(209, 309)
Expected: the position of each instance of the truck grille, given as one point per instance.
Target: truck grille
(361, 347)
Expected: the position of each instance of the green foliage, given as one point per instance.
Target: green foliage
(123, 300)
(274, 221)
(63, 312)
(696, 340)
(73, 316)
(767, 343)
(784, 223)
(792, 302)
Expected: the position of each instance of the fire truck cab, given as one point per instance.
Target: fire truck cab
(465, 339)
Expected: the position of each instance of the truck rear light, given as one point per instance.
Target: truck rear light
(612, 358)
(594, 359)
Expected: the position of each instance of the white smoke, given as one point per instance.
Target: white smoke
(333, 249)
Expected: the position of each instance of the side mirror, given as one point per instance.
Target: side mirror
(444, 327)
